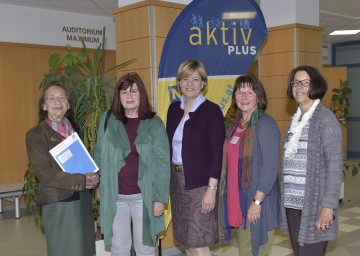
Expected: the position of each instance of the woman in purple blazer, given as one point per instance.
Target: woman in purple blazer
(196, 131)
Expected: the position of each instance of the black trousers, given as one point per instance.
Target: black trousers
(293, 219)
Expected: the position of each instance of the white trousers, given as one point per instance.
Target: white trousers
(129, 208)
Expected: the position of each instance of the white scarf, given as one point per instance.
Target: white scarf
(296, 129)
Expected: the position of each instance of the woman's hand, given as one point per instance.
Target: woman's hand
(325, 219)
(208, 201)
(253, 214)
(92, 179)
(158, 209)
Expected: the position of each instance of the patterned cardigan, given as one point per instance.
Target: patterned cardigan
(323, 177)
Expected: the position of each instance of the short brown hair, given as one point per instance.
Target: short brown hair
(254, 84)
(318, 85)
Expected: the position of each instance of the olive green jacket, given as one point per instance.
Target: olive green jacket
(111, 149)
(55, 185)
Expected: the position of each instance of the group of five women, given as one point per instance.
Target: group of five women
(195, 161)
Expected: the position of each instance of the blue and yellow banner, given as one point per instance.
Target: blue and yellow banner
(224, 35)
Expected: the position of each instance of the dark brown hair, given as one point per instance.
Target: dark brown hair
(42, 113)
(145, 110)
(254, 84)
(318, 85)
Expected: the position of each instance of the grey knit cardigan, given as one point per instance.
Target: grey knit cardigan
(323, 177)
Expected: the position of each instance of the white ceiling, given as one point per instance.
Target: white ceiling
(339, 15)
(334, 14)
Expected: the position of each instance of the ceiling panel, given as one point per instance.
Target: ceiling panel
(334, 14)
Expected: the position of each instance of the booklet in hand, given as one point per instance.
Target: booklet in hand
(72, 156)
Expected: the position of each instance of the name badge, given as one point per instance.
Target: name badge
(234, 140)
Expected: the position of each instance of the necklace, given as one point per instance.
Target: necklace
(296, 129)
(241, 124)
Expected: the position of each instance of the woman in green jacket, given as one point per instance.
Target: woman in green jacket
(132, 152)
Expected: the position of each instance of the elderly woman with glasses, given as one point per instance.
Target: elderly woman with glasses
(251, 163)
(65, 198)
(312, 166)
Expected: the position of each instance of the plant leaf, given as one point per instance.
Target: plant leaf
(54, 61)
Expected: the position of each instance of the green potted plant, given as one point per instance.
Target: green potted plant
(83, 75)
(340, 107)
(340, 102)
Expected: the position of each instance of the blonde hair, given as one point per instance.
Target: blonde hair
(188, 67)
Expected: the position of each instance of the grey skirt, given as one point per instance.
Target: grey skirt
(69, 227)
(191, 228)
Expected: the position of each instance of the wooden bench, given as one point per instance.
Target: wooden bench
(12, 192)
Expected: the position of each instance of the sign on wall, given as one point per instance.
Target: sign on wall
(48, 27)
(224, 35)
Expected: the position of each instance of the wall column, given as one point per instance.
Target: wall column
(294, 38)
(141, 30)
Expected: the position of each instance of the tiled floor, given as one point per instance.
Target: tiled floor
(348, 239)
(20, 238)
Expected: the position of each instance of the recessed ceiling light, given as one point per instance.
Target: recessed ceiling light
(344, 32)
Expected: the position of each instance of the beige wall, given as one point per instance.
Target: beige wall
(136, 40)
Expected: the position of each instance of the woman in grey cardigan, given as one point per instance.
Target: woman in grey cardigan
(252, 190)
(312, 166)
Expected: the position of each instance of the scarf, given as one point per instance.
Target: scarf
(64, 130)
(245, 157)
(246, 145)
(296, 129)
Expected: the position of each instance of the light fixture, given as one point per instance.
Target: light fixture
(344, 32)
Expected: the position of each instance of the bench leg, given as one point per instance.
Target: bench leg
(1, 209)
(17, 207)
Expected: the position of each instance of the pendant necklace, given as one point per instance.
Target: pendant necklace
(241, 125)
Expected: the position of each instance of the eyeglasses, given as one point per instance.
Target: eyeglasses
(305, 83)
(245, 94)
(53, 99)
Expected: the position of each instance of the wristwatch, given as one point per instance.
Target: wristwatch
(257, 202)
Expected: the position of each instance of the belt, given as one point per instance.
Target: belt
(177, 168)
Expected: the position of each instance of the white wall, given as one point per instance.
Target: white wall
(46, 27)
(282, 12)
